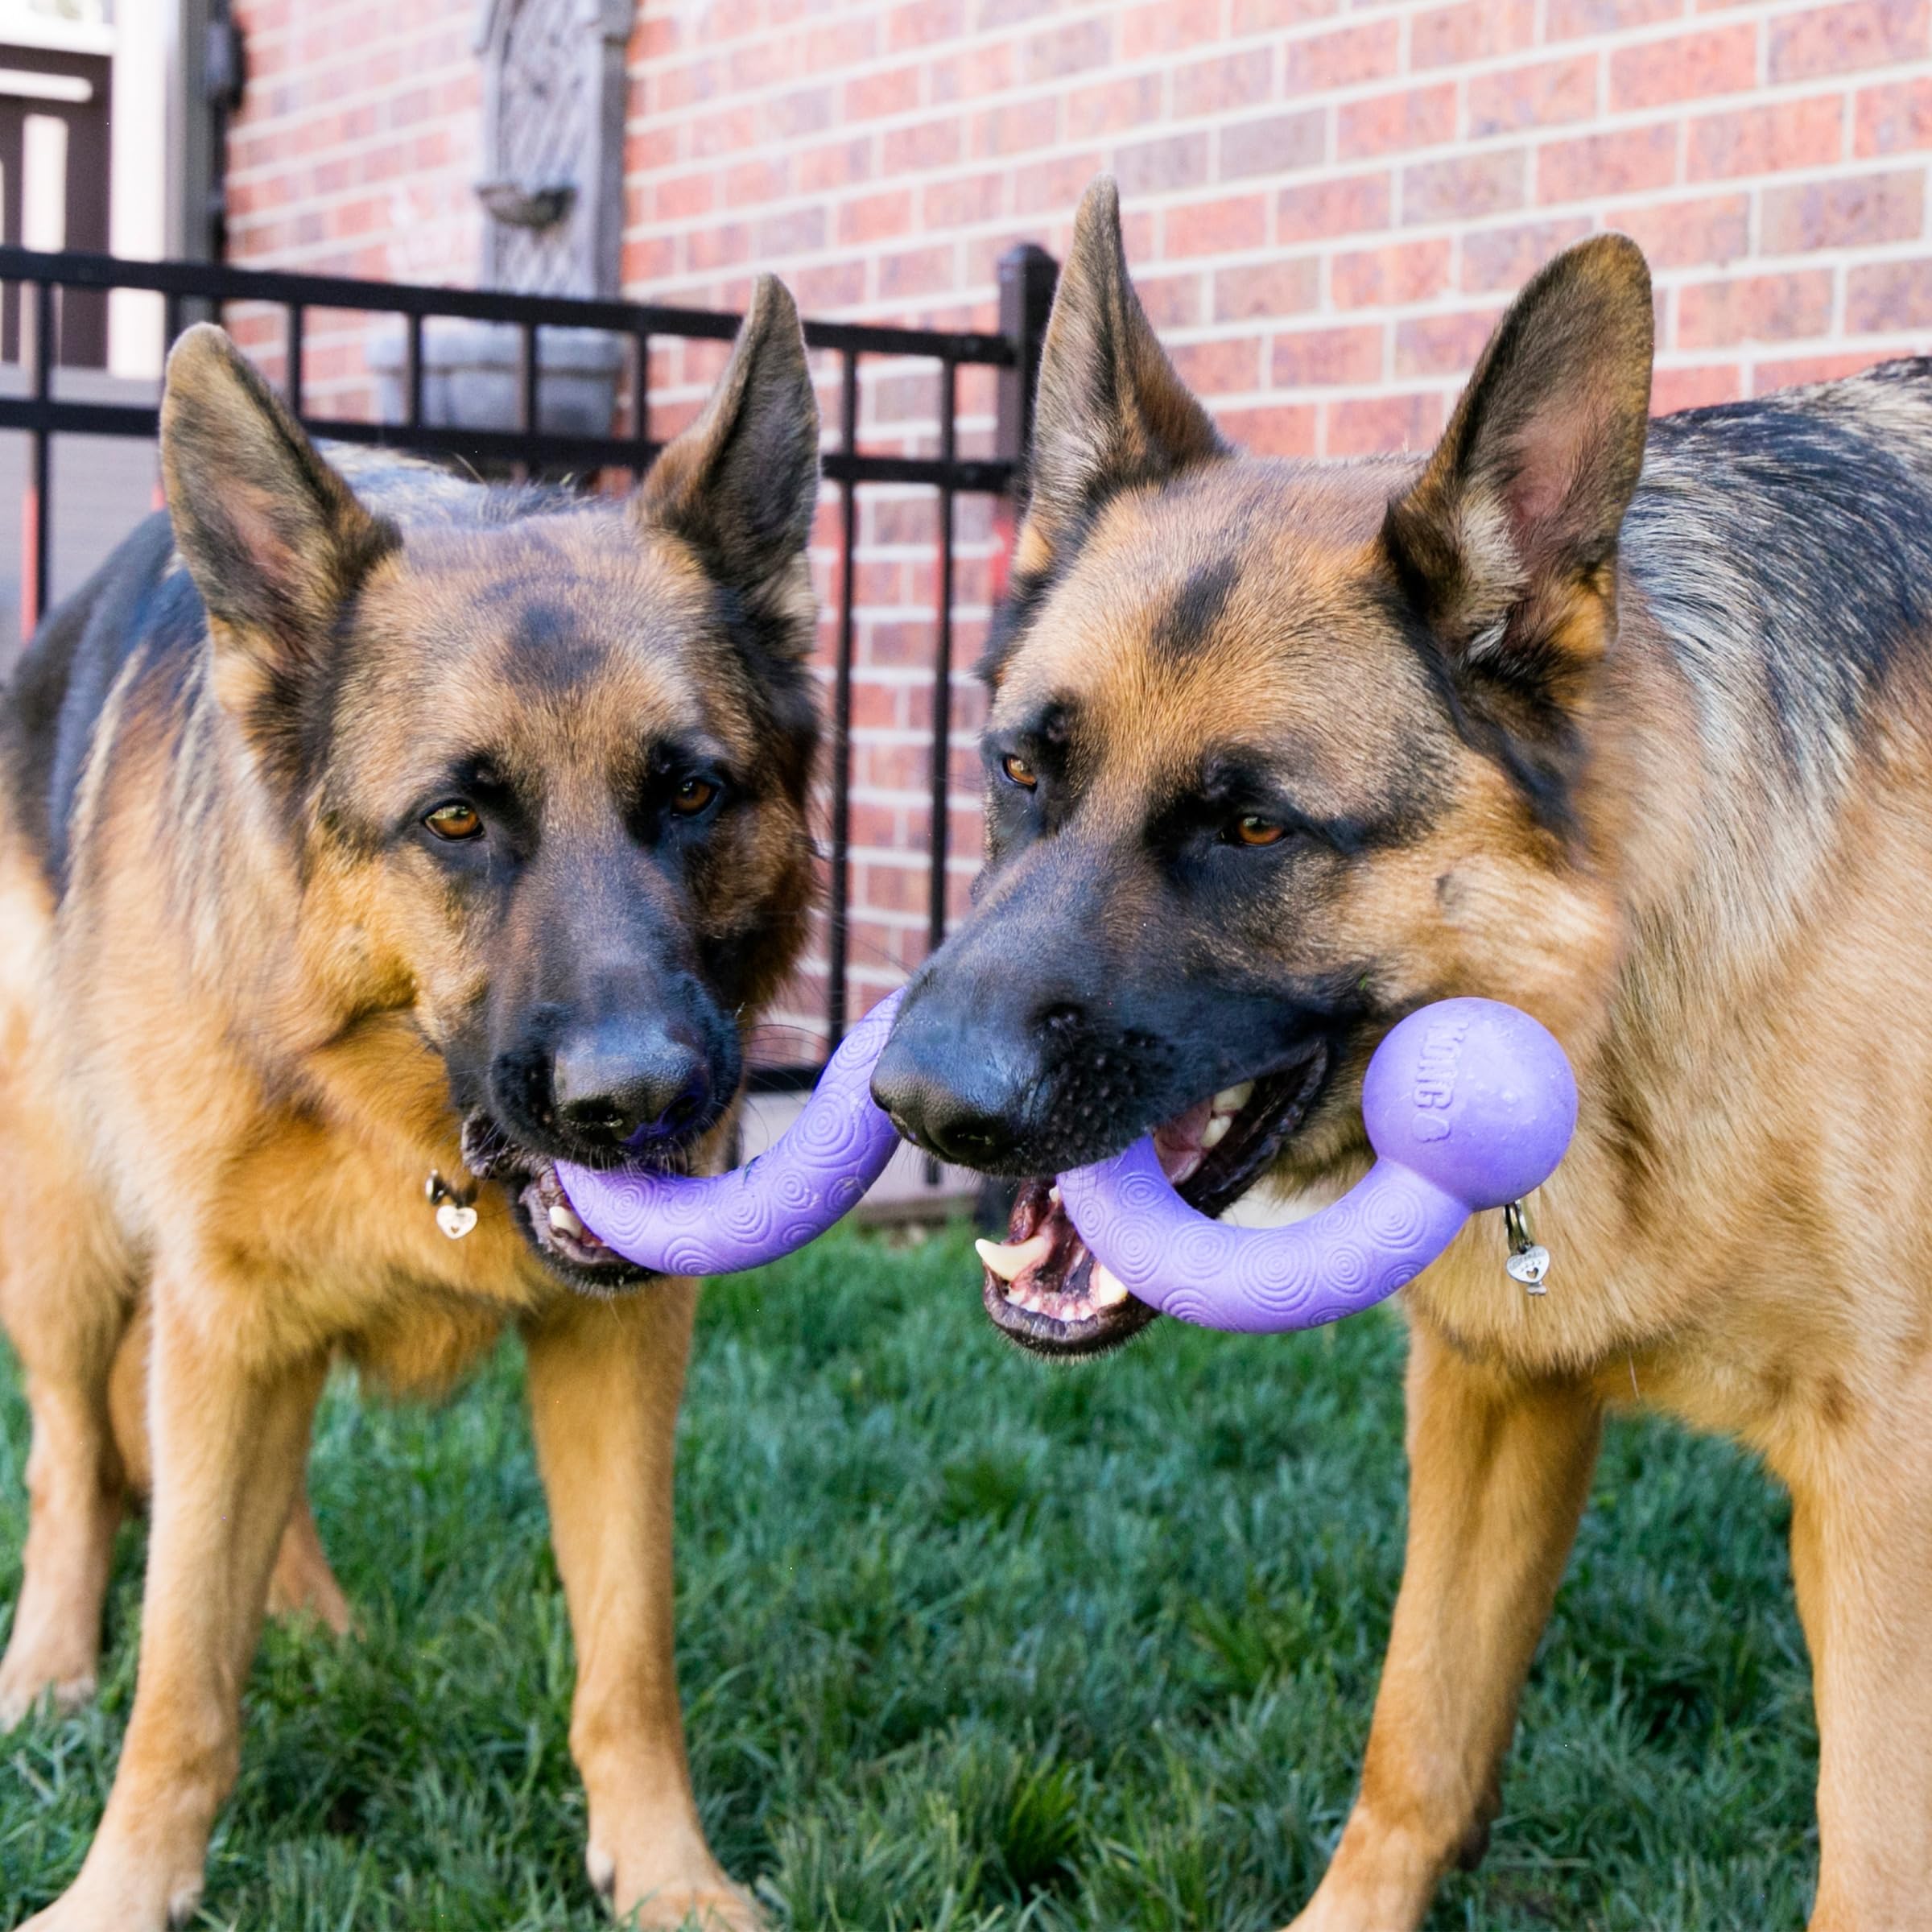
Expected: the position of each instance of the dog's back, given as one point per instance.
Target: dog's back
(1786, 546)
(48, 719)
(1783, 548)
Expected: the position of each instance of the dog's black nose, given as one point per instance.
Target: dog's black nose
(954, 1091)
(629, 1079)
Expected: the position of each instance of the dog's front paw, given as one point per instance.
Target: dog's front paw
(1380, 1881)
(29, 1679)
(692, 1894)
(128, 1901)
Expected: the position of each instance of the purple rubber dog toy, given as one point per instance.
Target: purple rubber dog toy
(1469, 1104)
(789, 1195)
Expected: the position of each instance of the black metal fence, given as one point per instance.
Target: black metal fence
(40, 284)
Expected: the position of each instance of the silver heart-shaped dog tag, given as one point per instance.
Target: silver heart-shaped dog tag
(1529, 1265)
(455, 1219)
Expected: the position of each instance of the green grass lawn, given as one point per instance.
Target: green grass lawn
(969, 1642)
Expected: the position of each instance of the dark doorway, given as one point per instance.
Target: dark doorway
(53, 186)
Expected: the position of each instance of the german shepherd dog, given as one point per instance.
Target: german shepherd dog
(372, 838)
(1625, 723)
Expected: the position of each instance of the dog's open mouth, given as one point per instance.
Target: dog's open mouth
(1044, 1291)
(543, 1210)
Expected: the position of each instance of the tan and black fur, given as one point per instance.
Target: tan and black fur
(1628, 724)
(363, 825)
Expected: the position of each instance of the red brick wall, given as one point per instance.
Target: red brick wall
(1327, 205)
(352, 154)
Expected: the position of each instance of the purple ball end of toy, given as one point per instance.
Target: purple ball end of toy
(1474, 1097)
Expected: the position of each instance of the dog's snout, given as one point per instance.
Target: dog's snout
(944, 1089)
(626, 1079)
(971, 1130)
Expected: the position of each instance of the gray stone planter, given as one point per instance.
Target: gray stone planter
(470, 376)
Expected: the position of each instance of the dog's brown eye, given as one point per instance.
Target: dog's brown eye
(1017, 769)
(455, 820)
(691, 796)
(1251, 829)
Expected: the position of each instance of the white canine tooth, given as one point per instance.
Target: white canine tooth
(1053, 1195)
(1232, 1099)
(1215, 1132)
(566, 1222)
(1009, 1259)
(1106, 1290)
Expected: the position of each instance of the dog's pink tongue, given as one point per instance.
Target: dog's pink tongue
(1181, 1143)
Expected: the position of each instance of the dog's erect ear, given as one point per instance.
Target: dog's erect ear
(274, 539)
(1507, 543)
(1110, 412)
(739, 484)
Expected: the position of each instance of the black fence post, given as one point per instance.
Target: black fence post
(1028, 276)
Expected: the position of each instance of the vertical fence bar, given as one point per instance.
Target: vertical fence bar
(527, 378)
(412, 370)
(171, 327)
(40, 510)
(939, 830)
(640, 402)
(942, 665)
(297, 317)
(836, 896)
(1028, 275)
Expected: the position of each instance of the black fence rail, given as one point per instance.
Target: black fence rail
(36, 285)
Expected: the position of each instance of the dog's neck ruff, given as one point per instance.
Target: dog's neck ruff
(1468, 1104)
(774, 1204)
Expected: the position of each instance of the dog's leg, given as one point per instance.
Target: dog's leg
(605, 1382)
(65, 1293)
(1861, 1555)
(75, 1503)
(1498, 1473)
(301, 1584)
(228, 1437)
